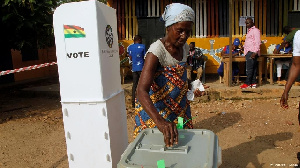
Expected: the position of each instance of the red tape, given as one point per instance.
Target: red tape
(26, 68)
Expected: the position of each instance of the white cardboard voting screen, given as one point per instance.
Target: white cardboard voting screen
(93, 102)
(96, 134)
(87, 46)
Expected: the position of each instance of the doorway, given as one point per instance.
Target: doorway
(150, 29)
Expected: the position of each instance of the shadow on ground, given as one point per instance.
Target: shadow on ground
(219, 122)
(248, 152)
(16, 103)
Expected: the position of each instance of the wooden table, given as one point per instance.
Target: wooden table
(271, 58)
(241, 59)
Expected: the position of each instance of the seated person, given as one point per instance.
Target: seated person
(282, 49)
(235, 52)
(195, 61)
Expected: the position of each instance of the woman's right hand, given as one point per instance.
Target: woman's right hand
(169, 131)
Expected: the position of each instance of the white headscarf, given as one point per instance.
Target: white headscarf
(177, 12)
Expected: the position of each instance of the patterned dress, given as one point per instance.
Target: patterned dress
(167, 92)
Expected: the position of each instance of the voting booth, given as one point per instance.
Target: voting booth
(92, 98)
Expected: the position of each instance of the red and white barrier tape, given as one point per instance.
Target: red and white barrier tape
(26, 68)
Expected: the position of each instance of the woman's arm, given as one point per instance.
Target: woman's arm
(168, 129)
(145, 82)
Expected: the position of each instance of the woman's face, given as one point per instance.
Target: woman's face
(179, 32)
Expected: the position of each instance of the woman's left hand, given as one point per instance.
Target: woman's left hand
(199, 93)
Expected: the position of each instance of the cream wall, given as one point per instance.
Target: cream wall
(212, 65)
(204, 43)
(45, 56)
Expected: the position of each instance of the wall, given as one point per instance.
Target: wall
(45, 56)
(211, 16)
(214, 60)
(215, 57)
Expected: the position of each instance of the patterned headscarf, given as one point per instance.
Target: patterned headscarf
(177, 12)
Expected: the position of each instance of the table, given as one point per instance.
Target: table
(241, 59)
(272, 57)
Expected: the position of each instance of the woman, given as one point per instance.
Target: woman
(162, 87)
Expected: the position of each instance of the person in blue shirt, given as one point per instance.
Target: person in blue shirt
(235, 52)
(136, 53)
(282, 49)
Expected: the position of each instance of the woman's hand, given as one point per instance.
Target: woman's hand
(199, 93)
(169, 131)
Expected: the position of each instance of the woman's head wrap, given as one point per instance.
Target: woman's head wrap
(177, 12)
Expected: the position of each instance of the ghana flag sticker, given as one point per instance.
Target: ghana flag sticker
(72, 31)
